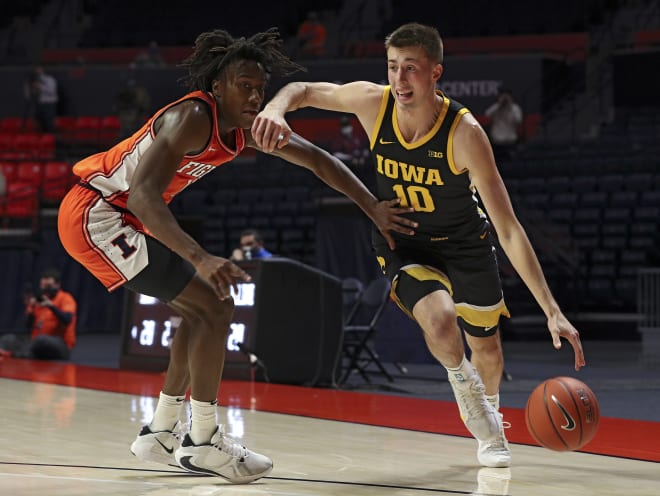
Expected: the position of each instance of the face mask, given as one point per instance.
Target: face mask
(50, 292)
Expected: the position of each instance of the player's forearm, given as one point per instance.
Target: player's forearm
(288, 98)
(521, 254)
(339, 177)
(162, 225)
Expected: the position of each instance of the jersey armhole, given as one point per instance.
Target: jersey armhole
(379, 118)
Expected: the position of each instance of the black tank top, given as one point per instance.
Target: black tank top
(423, 175)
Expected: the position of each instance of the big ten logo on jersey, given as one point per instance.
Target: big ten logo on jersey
(195, 169)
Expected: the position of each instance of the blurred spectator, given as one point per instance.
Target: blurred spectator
(311, 37)
(50, 317)
(504, 118)
(151, 57)
(133, 104)
(349, 146)
(251, 247)
(41, 95)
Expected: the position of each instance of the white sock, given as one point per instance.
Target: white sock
(494, 399)
(203, 422)
(463, 372)
(167, 412)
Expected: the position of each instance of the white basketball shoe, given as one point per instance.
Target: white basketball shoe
(481, 419)
(223, 457)
(157, 447)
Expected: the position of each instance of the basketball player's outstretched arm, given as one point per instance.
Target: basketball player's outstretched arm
(472, 151)
(272, 134)
(386, 215)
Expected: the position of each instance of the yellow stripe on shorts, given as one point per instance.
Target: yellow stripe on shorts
(482, 316)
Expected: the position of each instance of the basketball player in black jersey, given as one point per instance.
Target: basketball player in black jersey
(430, 153)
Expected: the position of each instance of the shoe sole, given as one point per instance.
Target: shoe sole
(184, 462)
(151, 457)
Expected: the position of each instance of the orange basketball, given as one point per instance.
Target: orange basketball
(562, 414)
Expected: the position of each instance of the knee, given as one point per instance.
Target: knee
(488, 348)
(212, 316)
(436, 321)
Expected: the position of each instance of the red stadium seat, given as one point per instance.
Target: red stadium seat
(15, 125)
(64, 126)
(87, 129)
(46, 146)
(57, 180)
(21, 201)
(30, 173)
(6, 146)
(26, 145)
(109, 130)
(9, 170)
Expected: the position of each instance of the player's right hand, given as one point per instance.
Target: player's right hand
(222, 275)
(270, 130)
(387, 215)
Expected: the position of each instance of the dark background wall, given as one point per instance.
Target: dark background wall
(91, 90)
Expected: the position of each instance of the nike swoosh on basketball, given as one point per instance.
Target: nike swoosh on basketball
(169, 450)
(383, 142)
(570, 423)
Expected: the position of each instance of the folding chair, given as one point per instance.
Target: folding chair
(351, 290)
(359, 330)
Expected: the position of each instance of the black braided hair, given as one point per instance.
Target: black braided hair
(215, 50)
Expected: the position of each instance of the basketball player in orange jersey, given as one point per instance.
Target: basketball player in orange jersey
(430, 153)
(116, 222)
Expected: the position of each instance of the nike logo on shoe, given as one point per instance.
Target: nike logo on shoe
(169, 450)
(185, 463)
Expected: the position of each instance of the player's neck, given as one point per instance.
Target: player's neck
(415, 122)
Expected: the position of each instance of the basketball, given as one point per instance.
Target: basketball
(562, 414)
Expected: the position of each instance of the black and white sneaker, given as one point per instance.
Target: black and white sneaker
(158, 447)
(223, 457)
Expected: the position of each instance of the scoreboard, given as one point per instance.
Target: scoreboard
(288, 316)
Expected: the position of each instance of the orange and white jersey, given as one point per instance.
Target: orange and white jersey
(110, 172)
(94, 225)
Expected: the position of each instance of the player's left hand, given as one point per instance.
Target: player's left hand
(387, 217)
(560, 327)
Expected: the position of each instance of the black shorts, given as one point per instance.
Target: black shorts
(466, 268)
(166, 275)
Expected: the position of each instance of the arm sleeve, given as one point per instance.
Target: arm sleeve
(62, 316)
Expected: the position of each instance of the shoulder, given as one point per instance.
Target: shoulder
(470, 142)
(468, 126)
(67, 295)
(192, 108)
(189, 113)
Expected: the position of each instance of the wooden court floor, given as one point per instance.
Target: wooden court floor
(66, 430)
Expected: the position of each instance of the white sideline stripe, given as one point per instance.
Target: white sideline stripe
(64, 477)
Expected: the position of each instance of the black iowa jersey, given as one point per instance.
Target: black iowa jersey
(423, 175)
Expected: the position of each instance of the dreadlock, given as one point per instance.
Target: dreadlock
(215, 50)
